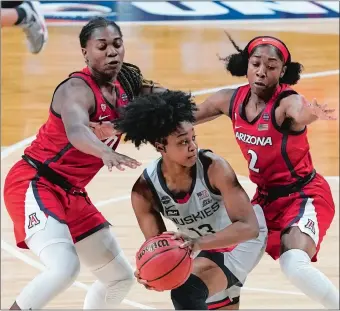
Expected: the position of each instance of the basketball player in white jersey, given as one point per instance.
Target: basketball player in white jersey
(199, 192)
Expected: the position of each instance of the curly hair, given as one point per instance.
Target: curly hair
(153, 117)
(237, 63)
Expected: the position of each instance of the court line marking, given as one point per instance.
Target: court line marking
(12, 148)
(16, 253)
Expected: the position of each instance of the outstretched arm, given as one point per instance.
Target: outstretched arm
(214, 106)
(240, 210)
(74, 101)
(302, 112)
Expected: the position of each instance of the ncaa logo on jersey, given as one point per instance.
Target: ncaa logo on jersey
(124, 97)
(165, 199)
(266, 116)
(33, 220)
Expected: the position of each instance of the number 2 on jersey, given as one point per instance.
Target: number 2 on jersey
(253, 160)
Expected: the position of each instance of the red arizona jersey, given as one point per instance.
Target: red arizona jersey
(52, 146)
(275, 156)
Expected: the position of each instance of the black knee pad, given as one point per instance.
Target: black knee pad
(192, 295)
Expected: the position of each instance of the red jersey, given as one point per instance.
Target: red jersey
(52, 146)
(275, 154)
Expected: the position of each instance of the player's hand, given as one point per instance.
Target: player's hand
(103, 130)
(143, 282)
(191, 243)
(320, 111)
(114, 159)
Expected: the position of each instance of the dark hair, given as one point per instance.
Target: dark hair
(92, 25)
(130, 76)
(237, 64)
(153, 117)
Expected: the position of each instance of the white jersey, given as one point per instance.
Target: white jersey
(202, 214)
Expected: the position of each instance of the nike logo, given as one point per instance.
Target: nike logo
(237, 127)
(102, 117)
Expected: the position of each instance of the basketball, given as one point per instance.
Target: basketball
(162, 263)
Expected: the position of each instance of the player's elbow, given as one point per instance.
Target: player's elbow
(253, 228)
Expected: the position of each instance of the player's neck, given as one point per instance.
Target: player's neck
(260, 100)
(172, 171)
(102, 79)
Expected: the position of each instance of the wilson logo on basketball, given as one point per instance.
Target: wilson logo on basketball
(152, 247)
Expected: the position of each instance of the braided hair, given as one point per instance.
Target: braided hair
(130, 76)
(237, 63)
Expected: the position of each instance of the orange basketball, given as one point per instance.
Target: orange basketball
(162, 263)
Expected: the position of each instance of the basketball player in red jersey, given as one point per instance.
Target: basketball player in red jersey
(44, 192)
(269, 120)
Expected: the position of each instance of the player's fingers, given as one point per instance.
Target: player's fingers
(109, 166)
(119, 166)
(186, 244)
(130, 160)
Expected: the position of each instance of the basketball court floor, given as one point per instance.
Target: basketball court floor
(181, 56)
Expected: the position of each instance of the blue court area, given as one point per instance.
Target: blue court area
(164, 11)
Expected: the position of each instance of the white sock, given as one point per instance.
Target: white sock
(297, 267)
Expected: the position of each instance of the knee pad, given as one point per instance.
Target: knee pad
(117, 277)
(192, 295)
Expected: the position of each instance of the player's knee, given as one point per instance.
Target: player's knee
(62, 260)
(293, 263)
(191, 295)
(117, 277)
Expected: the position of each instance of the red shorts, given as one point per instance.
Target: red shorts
(30, 199)
(312, 210)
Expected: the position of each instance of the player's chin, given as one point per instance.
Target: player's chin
(190, 161)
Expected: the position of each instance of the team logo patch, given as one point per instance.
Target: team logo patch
(266, 116)
(103, 106)
(172, 213)
(124, 97)
(203, 194)
(310, 225)
(33, 220)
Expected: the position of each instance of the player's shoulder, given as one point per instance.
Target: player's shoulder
(213, 162)
(142, 187)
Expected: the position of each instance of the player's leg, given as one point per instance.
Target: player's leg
(301, 241)
(214, 272)
(11, 14)
(100, 252)
(28, 16)
(55, 249)
(228, 299)
(207, 278)
(29, 203)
